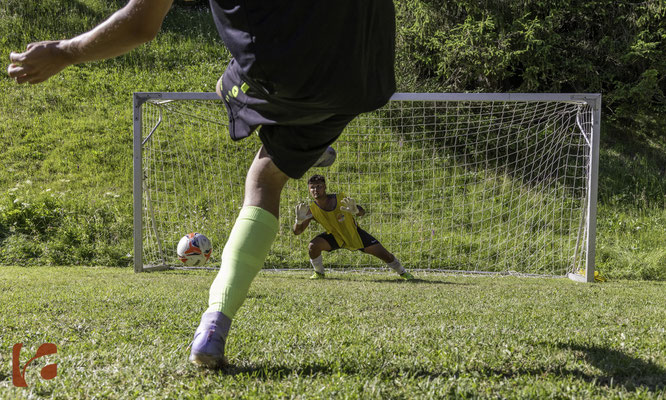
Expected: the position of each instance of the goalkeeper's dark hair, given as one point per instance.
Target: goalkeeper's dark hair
(316, 179)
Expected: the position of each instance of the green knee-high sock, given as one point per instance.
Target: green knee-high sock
(242, 258)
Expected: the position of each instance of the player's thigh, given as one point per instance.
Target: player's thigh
(321, 243)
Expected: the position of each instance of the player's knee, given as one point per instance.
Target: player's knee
(316, 246)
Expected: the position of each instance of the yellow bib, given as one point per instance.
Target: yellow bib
(341, 224)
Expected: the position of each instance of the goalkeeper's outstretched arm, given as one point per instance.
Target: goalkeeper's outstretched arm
(303, 218)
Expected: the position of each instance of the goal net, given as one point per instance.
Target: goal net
(475, 183)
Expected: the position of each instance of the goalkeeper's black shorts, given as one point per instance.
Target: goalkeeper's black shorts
(294, 137)
(366, 238)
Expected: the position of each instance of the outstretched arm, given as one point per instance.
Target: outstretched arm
(136, 23)
(303, 218)
(300, 228)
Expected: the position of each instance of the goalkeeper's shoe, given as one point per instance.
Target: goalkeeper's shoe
(209, 340)
(318, 275)
(407, 276)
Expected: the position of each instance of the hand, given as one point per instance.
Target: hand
(349, 205)
(302, 213)
(39, 62)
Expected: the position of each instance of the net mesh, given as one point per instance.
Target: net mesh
(474, 186)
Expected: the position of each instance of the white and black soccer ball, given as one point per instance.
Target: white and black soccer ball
(194, 249)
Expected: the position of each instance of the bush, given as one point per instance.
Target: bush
(602, 46)
(54, 229)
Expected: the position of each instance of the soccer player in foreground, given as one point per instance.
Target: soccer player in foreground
(337, 214)
(301, 70)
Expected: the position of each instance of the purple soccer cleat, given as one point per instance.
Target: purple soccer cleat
(209, 340)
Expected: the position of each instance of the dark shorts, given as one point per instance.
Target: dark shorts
(366, 238)
(294, 138)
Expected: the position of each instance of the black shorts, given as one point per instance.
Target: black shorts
(294, 138)
(366, 238)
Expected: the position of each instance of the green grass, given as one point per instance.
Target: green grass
(370, 336)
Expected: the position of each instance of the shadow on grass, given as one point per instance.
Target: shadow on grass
(619, 368)
(414, 281)
(384, 280)
(278, 372)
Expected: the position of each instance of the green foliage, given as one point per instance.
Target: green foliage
(52, 228)
(603, 46)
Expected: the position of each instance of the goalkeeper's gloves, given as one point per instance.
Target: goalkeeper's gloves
(349, 205)
(302, 213)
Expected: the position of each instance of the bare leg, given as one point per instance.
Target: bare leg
(380, 252)
(316, 246)
(264, 184)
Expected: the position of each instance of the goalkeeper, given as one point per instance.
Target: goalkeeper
(336, 213)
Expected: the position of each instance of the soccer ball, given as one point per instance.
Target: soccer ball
(327, 158)
(194, 249)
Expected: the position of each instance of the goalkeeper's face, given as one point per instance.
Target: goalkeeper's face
(317, 190)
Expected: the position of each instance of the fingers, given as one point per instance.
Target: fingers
(24, 74)
(349, 205)
(17, 57)
(40, 61)
(302, 211)
(18, 72)
(15, 69)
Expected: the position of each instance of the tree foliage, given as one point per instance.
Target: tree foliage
(602, 46)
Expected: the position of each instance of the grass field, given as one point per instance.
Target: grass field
(65, 202)
(369, 336)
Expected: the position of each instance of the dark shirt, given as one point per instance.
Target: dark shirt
(321, 55)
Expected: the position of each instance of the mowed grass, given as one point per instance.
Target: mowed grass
(125, 335)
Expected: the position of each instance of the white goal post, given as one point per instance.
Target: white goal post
(489, 183)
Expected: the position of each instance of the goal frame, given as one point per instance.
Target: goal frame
(592, 99)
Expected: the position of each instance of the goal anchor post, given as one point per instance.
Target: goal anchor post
(592, 187)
